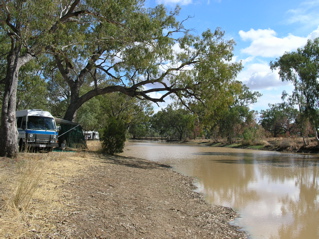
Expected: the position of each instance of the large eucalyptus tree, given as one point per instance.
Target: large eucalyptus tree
(301, 67)
(140, 53)
(97, 47)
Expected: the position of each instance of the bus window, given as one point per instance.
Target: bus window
(23, 123)
(40, 123)
(19, 120)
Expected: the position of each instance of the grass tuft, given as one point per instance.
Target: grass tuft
(27, 184)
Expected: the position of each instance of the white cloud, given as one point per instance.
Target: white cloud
(259, 76)
(247, 60)
(265, 43)
(314, 34)
(306, 14)
(256, 34)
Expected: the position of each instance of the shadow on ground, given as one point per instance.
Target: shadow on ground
(133, 162)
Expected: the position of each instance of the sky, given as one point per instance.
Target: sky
(263, 31)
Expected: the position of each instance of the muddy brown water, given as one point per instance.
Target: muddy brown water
(276, 194)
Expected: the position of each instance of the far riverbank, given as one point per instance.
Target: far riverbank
(280, 144)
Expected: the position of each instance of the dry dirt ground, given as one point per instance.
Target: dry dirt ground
(88, 195)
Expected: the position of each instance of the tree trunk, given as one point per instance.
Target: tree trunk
(316, 135)
(76, 101)
(8, 129)
(71, 112)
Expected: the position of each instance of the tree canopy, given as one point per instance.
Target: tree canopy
(301, 67)
(140, 65)
(279, 119)
(175, 124)
(93, 47)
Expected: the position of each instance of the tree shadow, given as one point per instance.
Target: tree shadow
(133, 162)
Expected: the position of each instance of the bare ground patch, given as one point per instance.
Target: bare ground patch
(88, 195)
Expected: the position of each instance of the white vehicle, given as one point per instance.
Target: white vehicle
(91, 135)
(37, 130)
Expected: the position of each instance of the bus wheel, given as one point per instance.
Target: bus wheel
(63, 145)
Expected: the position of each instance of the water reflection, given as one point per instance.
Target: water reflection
(276, 194)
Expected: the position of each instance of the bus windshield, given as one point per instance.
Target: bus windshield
(41, 123)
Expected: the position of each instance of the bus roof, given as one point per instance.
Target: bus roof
(33, 112)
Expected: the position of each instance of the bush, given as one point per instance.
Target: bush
(253, 136)
(113, 136)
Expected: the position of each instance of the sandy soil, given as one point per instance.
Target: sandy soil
(88, 195)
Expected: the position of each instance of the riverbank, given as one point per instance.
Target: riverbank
(280, 144)
(88, 195)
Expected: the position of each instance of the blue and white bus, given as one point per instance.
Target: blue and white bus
(37, 130)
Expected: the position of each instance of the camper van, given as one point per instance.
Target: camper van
(91, 135)
(37, 130)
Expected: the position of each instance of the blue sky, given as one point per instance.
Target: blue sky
(263, 31)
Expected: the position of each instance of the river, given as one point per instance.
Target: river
(276, 194)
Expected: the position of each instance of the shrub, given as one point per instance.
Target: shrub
(113, 136)
(248, 137)
(285, 143)
(253, 136)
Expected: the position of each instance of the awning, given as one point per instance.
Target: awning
(63, 121)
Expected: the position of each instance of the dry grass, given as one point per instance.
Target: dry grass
(94, 146)
(30, 172)
(78, 195)
(29, 191)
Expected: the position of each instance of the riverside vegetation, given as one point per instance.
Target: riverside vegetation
(281, 144)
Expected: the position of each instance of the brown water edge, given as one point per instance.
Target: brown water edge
(88, 195)
(276, 194)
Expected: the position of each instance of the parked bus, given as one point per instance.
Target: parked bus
(37, 130)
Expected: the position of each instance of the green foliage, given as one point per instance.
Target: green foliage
(280, 119)
(32, 88)
(113, 136)
(100, 47)
(302, 69)
(94, 114)
(92, 48)
(106, 56)
(174, 123)
(90, 115)
(248, 136)
(216, 105)
(140, 130)
(235, 122)
(253, 135)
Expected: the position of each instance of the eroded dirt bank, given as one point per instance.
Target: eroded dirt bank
(115, 197)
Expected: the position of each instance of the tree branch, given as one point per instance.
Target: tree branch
(64, 70)
(90, 65)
